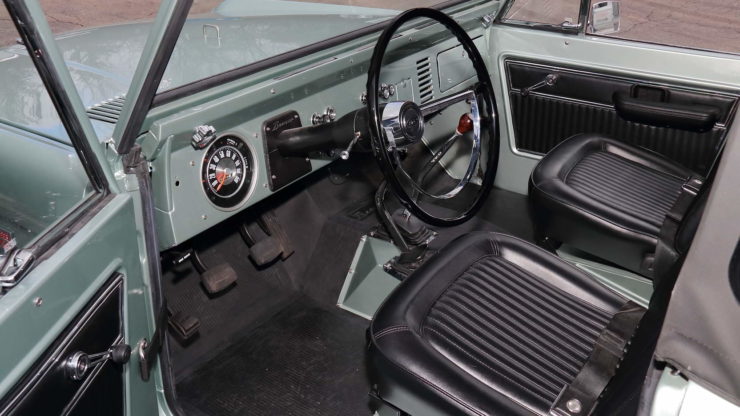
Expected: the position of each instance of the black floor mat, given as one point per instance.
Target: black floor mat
(305, 360)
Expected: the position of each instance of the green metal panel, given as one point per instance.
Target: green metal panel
(65, 282)
(632, 286)
(367, 284)
(333, 78)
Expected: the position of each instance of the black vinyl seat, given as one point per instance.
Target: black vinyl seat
(606, 198)
(490, 325)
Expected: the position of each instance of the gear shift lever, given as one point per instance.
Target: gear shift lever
(412, 229)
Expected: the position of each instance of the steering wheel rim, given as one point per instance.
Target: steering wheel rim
(484, 87)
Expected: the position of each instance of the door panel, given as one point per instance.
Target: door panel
(583, 101)
(650, 64)
(48, 389)
(70, 301)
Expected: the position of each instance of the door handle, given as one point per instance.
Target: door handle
(697, 117)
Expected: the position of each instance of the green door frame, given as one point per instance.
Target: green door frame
(109, 177)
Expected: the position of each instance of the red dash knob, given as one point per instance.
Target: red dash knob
(465, 124)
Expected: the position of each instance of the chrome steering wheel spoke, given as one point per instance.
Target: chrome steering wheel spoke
(395, 128)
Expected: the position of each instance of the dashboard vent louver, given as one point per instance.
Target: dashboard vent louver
(107, 111)
(424, 78)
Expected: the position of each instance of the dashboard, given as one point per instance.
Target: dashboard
(212, 154)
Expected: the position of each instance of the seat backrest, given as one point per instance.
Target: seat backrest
(674, 246)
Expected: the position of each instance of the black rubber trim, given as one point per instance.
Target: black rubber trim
(485, 87)
(734, 272)
(149, 89)
(253, 68)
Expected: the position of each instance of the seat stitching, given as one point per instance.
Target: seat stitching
(447, 287)
(588, 213)
(471, 312)
(391, 330)
(492, 369)
(553, 373)
(440, 323)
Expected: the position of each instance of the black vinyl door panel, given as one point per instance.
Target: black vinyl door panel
(48, 388)
(685, 125)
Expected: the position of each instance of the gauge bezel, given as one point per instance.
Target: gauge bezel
(251, 158)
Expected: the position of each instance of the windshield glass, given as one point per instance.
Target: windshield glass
(103, 45)
(235, 33)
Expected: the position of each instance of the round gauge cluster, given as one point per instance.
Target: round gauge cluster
(227, 171)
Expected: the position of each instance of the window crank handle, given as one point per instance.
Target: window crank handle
(549, 81)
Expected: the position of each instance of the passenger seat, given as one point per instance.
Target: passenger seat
(609, 199)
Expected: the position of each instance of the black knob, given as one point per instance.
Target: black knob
(120, 353)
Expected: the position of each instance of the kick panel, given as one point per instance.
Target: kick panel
(551, 103)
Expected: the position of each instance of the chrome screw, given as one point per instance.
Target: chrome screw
(574, 405)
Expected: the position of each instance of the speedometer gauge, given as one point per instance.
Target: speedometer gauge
(227, 171)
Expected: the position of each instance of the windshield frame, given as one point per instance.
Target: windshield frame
(185, 90)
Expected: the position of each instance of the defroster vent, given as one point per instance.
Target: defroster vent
(108, 110)
(424, 78)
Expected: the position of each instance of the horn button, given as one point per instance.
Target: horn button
(403, 123)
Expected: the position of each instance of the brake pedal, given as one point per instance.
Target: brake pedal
(265, 251)
(218, 278)
(267, 240)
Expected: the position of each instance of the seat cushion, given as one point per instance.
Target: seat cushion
(490, 325)
(605, 197)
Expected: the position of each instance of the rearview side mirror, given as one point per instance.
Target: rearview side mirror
(604, 18)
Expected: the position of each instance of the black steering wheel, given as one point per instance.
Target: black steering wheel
(397, 125)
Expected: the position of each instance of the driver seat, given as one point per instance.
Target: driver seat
(490, 325)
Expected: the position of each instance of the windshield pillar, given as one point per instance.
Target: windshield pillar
(34, 30)
(154, 59)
